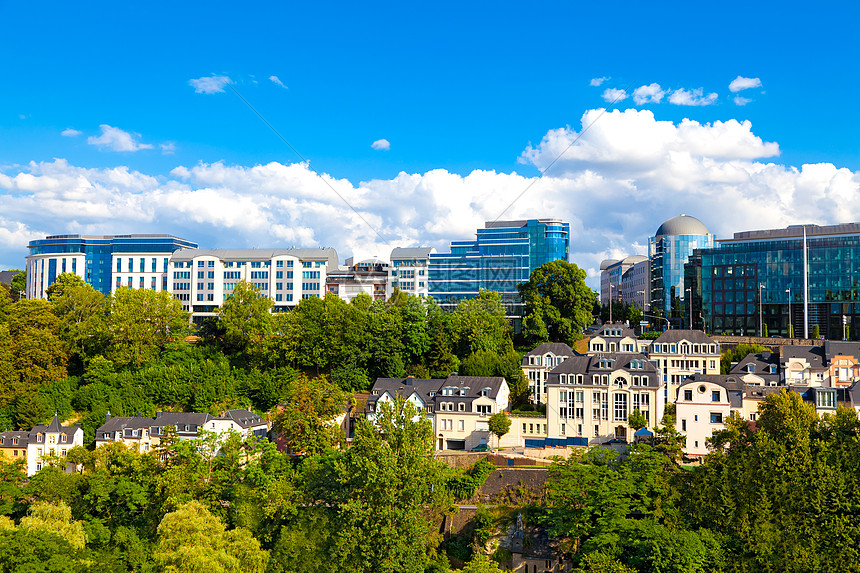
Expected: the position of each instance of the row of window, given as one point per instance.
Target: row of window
(130, 265)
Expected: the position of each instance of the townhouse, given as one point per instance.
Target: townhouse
(758, 369)
(144, 433)
(459, 407)
(537, 364)
(589, 398)
(41, 445)
(681, 353)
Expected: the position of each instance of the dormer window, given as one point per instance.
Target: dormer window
(485, 392)
(772, 368)
(750, 367)
(39, 437)
(462, 392)
(64, 438)
(461, 407)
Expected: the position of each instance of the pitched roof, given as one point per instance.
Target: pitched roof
(814, 355)
(761, 363)
(54, 427)
(695, 336)
(23, 439)
(591, 365)
(625, 330)
(833, 348)
(557, 348)
(243, 417)
(400, 253)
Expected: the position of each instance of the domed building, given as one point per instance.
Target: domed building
(668, 251)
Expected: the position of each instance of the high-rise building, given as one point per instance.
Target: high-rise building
(626, 281)
(756, 279)
(668, 250)
(104, 261)
(503, 255)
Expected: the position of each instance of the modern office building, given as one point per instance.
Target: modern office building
(203, 278)
(627, 281)
(409, 269)
(503, 255)
(104, 261)
(757, 280)
(668, 251)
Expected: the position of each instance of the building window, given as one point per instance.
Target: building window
(716, 417)
(461, 425)
(688, 395)
(683, 424)
(715, 396)
(620, 407)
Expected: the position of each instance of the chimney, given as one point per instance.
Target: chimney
(107, 417)
(765, 355)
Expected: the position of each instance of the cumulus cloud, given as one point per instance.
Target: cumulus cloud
(612, 95)
(168, 148)
(692, 97)
(741, 100)
(598, 81)
(741, 83)
(651, 93)
(210, 84)
(381, 145)
(116, 139)
(277, 81)
(615, 185)
(69, 132)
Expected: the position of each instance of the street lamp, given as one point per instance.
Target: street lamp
(760, 322)
(788, 329)
(690, 290)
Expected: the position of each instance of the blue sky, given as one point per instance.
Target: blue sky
(461, 91)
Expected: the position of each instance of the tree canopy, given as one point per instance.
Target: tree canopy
(558, 304)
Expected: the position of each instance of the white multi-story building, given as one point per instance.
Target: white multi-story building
(369, 277)
(409, 269)
(681, 353)
(203, 278)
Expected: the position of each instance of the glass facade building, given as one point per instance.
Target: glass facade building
(94, 259)
(771, 263)
(669, 250)
(503, 255)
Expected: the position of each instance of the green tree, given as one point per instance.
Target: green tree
(637, 420)
(55, 519)
(479, 324)
(19, 284)
(61, 283)
(141, 323)
(193, 540)
(600, 563)
(306, 419)
(245, 317)
(499, 425)
(480, 563)
(557, 295)
(384, 492)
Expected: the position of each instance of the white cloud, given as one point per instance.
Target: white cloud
(168, 148)
(597, 81)
(210, 84)
(69, 132)
(116, 139)
(381, 145)
(622, 178)
(741, 100)
(692, 97)
(651, 93)
(742, 83)
(277, 81)
(612, 95)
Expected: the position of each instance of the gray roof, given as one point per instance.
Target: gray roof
(54, 427)
(424, 387)
(812, 354)
(761, 365)
(588, 365)
(23, 439)
(326, 253)
(694, 336)
(842, 348)
(682, 225)
(625, 330)
(401, 253)
(557, 348)
(796, 231)
(7, 276)
(244, 418)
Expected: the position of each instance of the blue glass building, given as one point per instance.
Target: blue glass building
(503, 255)
(756, 280)
(669, 250)
(140, 261)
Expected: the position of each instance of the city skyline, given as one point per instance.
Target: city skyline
(428, 126)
